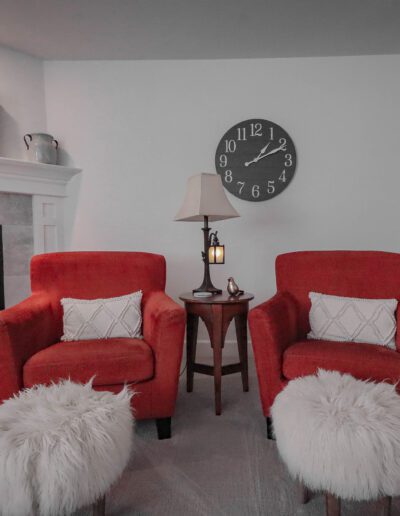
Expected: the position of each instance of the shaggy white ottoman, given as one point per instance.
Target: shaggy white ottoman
(340, 435)
(61, 448)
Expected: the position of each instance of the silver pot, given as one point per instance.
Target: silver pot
(41, 147)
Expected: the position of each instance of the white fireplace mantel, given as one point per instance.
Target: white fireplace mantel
(32, 178)
(48, 186)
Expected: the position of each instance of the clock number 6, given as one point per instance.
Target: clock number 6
(255, 191)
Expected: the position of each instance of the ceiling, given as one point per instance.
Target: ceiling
(199, 29)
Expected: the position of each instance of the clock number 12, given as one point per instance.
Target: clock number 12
(256, 129)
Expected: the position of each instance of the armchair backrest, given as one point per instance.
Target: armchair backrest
(364, 274)
(96, 274)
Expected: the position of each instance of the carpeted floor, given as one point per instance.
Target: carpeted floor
(213, 465)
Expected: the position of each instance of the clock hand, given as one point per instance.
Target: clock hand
(264, 149)
(273, 151)
(258, 157)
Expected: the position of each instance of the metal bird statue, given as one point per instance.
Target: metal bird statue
(232, 288)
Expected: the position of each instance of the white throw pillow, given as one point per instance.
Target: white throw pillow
(102, 318)
(336, 318)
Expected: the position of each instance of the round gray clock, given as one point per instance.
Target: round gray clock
(256, 160)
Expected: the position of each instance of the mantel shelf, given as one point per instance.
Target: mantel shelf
(33, 178)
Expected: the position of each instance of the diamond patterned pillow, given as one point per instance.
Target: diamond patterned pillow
(102, 318)
(352, 319)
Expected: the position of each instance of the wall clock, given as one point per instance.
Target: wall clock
(256, 160)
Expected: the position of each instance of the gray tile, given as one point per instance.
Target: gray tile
(15, 209)
(17, 249)
(16, 289)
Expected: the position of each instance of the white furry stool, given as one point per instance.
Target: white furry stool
(342, 436)
(61, 448)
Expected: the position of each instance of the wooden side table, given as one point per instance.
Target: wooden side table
(217, 312)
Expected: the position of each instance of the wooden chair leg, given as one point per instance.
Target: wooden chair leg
(270, 430)
(99, 507)
(304, 493)
(163, 427)
(332, 505)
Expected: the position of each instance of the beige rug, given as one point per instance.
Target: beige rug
(213, 465)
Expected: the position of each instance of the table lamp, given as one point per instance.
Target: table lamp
(205, 200)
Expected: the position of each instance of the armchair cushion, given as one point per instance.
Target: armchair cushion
(363, 361)
(111, 361)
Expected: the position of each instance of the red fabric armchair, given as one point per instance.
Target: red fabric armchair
(279, 326)
(30, 332)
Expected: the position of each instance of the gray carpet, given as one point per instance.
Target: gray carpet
(214, 465)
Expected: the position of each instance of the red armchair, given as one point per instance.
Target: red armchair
(30, 332)
(279, 326)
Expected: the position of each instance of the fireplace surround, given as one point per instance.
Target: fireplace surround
(16, 220)
(44, 188)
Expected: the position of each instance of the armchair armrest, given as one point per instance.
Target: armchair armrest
(25, 329)
(273, 327)
(163, 329)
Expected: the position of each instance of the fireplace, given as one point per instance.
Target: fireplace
(16, 247)
(31, 214)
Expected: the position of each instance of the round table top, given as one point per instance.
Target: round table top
(223, 298)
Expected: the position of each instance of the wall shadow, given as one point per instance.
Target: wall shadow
(9, 135)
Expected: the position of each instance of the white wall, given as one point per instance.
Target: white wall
(139, 129)
(22, 106)
(22, 110)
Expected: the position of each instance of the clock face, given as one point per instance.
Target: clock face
(256, 160)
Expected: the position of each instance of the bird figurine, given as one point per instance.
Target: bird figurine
(232, 288)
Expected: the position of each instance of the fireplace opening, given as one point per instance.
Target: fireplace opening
(2, 305)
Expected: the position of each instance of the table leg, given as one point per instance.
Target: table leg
(217, 344)
(192, 324)
(241, 336)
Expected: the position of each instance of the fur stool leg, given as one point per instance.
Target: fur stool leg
(384, 506)
(304, 493)
(332, 505)
(99, 507)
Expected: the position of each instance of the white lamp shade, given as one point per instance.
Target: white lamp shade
(205, 197)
